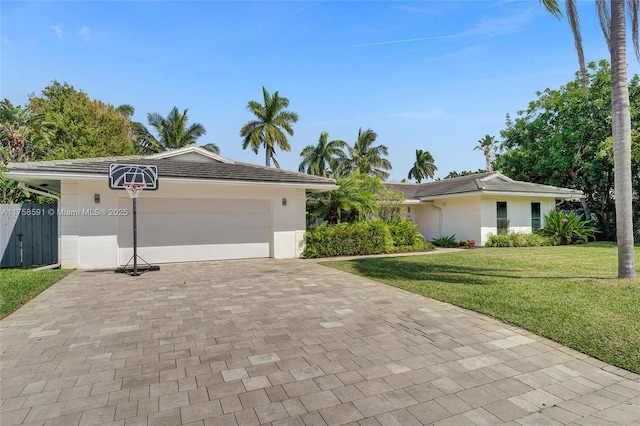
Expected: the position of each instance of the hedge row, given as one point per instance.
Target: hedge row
(517, 239)
(362, 238)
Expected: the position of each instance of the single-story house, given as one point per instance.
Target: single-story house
(206, 207)
(473, 207)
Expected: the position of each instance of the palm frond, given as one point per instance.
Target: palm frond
(634, 6)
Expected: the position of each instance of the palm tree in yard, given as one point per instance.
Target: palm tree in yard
(424, 167)
(485, 144)
(269, 127)
(614, 27)
(324, 158)
(366, 158)
(173, 132)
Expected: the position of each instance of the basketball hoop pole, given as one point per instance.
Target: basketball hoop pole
(134, 179)
(135, 237)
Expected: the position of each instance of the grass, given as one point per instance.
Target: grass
(567, 293)
(18, 286)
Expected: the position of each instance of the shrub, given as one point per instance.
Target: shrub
(517, 239)
(567, 228)
(348, 239)
(361, 238)
(446, 241)
(404, 232)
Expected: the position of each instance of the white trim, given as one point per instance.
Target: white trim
(497, 175)
(190, 149)
(505, 194)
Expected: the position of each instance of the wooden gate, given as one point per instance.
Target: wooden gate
(28, 234)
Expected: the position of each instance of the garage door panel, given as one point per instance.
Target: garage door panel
(213, 221)
(178, 230)
(189, 237)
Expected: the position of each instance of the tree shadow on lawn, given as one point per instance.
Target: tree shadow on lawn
(396, 269)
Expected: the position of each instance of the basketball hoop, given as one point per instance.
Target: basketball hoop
(134, 188)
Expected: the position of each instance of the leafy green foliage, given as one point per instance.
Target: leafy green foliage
(446, 241)
(351, 201)
(358, 197)
(557, 292)
(82, 127)
(348, 239)
(267, 129)
(362, 238)
(518, 239)
(563, 139)
(173, 132)
(18, 286)
(454, 174)
(567, 228)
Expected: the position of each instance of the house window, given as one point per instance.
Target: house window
(503, 222)
(535, 217)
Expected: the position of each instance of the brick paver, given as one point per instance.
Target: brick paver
(285, 342)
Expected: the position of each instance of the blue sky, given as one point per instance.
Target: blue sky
(430, 75)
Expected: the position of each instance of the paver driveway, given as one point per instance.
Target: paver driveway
(285, 342)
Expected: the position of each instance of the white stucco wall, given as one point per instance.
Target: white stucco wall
(518, 214)
(89, 230)
(475, 217)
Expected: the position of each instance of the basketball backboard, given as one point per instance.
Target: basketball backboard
(122, 174)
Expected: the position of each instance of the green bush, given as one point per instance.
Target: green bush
(446, 241)
(517, 239)
(567, 228)
(348, 239)
(404, 232)
(362, 238)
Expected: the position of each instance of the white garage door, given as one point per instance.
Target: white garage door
(182, 230)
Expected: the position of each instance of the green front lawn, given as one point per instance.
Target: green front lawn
(566, 293)
(18, 286)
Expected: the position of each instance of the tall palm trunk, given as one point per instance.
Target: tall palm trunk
(487, 157)
(621, 117)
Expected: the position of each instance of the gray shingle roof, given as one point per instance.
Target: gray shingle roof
(479, 183)
(177, 169)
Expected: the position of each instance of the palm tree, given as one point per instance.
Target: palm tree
(367, 159)
(267, 129)
(614, 27)
(172, 131)
(22, 133)
(213, 147)
(485, 144)
(424, 166)
(322, 159)
(349, 201)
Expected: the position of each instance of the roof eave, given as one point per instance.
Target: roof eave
(566, 196)
(25, 174)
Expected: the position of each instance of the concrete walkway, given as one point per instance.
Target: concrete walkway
(285, 343)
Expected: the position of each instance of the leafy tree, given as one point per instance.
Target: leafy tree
(614, 27)
(558, 140)
(82, 127)
(424, 167)
(269, 127)
(367, 159)
(322, 159)
(485, 145)
(173, 132)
